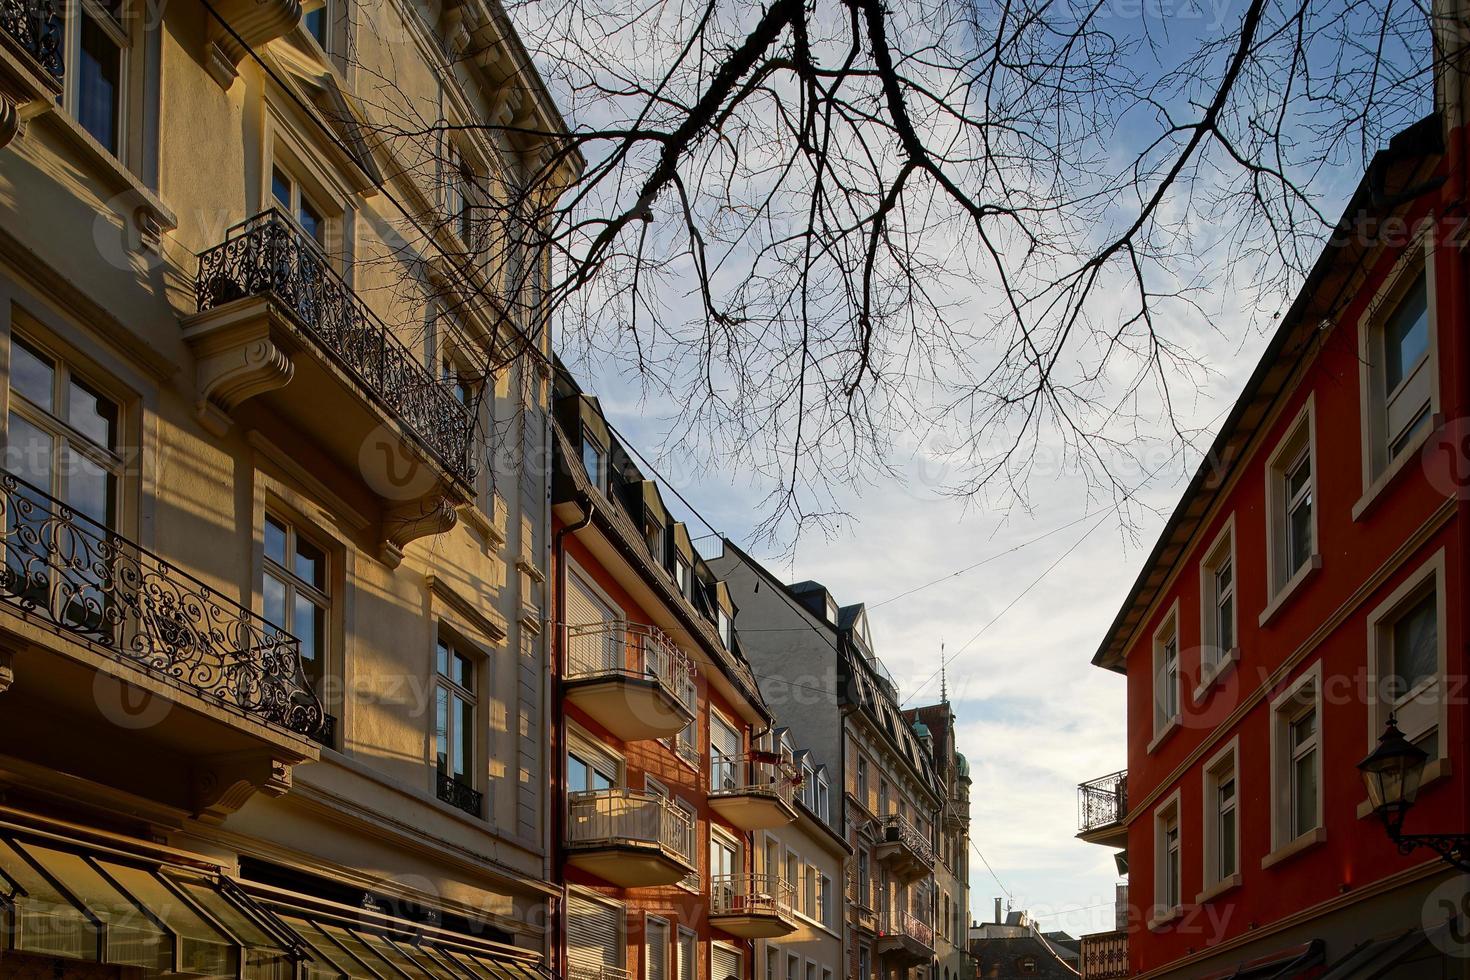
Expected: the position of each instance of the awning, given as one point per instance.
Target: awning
(82, 901)
(1283, 964)
(1377, 957)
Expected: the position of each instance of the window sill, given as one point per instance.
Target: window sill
(1303, 843)
(1433, 772)
(1170, 727)
(1382, 481)
(150, 218)
(1218, 888)
(1303, 575)
(1215, 673)
(1164, 917)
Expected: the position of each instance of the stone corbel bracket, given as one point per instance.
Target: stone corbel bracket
(433, 513)
(221, 785)
(238, 357)
(26, 89)
(256, 22)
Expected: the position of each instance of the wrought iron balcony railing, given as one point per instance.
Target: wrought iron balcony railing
(625, 816)
(36, 25)
(910, 925)
(458, 795)
(896, 828)
(1102, 802)
(269, 254)
(633, 650)
(75, 574)
(762, 773)
(751, 894)
(1104, 956)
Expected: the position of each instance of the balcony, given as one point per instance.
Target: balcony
(903, 850)
(905, 941)
(753, 792)
(1104, 956)
(31, 36)
(458, 795)
(280, 337)
(1102, 806)
(107, 634)
(628, 838)
(630, 679)
(956, 814)
(752, 906)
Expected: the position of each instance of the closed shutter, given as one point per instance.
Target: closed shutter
(724, 963)
(656, 946)
(590, 647)
(688, 950)
(594, 934)
(724, 748)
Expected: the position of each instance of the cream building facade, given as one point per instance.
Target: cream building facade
(269, 523)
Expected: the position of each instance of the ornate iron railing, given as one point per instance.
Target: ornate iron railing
(757, 894)
(1102, 802)
(896, 828)
(623, 816)
(36, 25)
(270, 254)
(62, 567)
(1104, 956)
(458, 795)
(634, 650)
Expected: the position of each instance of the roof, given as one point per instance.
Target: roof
(1295, 338)
(1004, 958)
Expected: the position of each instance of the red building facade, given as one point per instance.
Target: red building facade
(1310, 583)
(658, 734)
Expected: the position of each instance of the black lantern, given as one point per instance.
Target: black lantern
(1392, 772)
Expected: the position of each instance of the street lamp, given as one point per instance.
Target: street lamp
(1392, 772)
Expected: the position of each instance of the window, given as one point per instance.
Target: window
(1217, 603)
(1167, 864)
(688, 954)
(594, 460)
(1397, 351)
(793, 967)
(1166, 674)
(315, 20)
(863, 888)
(596, 934)
(454, 713)
(459, 194)
(724, 752)
(822, 798)
(1296, 769)
(288, 195)
(824, 902)
(95, 46)
(809, 892)
(862, 781)
(811, 970)
(831, 610)
(1407, 660)
(1222, 827)
(883, 801)
(726, 627)
(655, 948)
(653, 535)
(62, 433)
(773, 962)
(590, 771)
(793, 877)
(294, 591)
(724, 859)
(1291, 491)
(681, 576)
(865, 961)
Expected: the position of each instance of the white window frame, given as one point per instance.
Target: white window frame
(1287, 707)
(1166, 816)
(668, 933)
(293, 585)
(1215, 658)
(1165, 722)
(1298, 442)
(599, 478)
(1428, 576)
(1378, 468)
(1223, 764)
(118, 32)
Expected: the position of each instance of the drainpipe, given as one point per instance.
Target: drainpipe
(558, 666)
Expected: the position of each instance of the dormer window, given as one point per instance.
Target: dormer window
(594, 460)
(653, 534)
(726, 628)
(682, 571)
(831, 610)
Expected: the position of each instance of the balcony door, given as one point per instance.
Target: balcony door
(594, 643)
(724, 753)
(724, 865)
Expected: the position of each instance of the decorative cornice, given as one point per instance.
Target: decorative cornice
(489, 625)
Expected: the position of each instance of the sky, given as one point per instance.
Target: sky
(1035, 718)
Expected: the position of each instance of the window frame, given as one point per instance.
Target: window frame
(117, 31)
(1222, 764)
(1167, 816)
(301, 195)
(1214, 657)
(294, 585)
(1428, 576)
(1303, 694)
(1379, 467)
(1168, 629)
(599, 478)
(457, 647)
(1298, 443)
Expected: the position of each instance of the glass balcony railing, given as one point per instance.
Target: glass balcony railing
(78, 576)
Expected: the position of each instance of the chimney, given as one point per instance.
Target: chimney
(999, 920)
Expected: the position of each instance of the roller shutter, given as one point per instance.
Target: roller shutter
(594, 934)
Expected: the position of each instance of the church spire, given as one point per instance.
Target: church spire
(943, 678)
